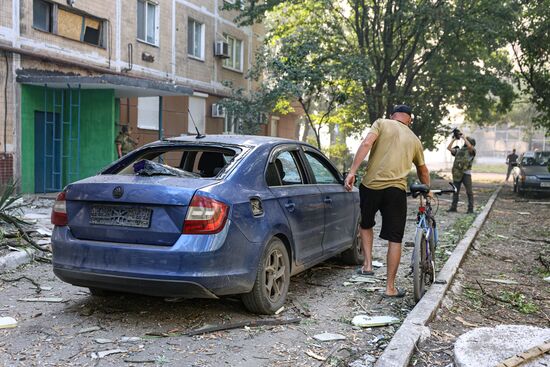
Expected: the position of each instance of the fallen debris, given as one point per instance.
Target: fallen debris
(45, 299)
(9, 280)
(88, 330)
(315, 355)
(464, 322)
(241, 324)
(103, 341)
(105, 353)
(377, 264)
(327, 337)
(280, 310)
(359, 279)
(502, 281)
(373, 321)
(130, 339)
(526, 356)
(7, 322)
(547, 279)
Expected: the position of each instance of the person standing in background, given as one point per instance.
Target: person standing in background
(124, 143)
(511, 161)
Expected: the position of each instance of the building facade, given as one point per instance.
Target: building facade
(73, 71)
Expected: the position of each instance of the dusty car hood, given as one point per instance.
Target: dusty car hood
(539, 171)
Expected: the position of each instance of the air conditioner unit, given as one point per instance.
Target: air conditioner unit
(218, 110)
(221, 49)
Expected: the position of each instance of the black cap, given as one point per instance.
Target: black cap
(402, 108)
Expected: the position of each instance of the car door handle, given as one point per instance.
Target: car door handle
(327, 200)
(290, 206)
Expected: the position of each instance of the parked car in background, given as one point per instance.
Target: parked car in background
(204, 217)
(532, 174)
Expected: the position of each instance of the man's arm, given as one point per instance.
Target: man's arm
(470, 147)
(119, 149)
(362, 152)
(450, 146)
(423, 174)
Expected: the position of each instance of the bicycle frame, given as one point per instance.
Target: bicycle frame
(424, 213)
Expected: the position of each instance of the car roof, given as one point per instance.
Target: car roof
(247, 140)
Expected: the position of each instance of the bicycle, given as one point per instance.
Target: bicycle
(423, 256)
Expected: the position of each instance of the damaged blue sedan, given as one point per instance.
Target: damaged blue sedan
(206, 217)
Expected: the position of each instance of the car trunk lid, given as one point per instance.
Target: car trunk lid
(131, 209)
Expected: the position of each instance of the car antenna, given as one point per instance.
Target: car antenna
(199, 135)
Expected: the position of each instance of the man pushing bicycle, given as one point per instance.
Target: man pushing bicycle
(393, 149)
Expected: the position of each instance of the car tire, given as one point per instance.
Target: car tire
(354, 255)
(516, 185)
(272, 280)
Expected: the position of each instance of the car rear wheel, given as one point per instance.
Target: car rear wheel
(516, 185)
(272, 280)
(354, 255)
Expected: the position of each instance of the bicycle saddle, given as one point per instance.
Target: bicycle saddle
(419, 189)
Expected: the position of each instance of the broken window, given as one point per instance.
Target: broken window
(63, 22)
(42, 15)
(79, 27)
(147, 28)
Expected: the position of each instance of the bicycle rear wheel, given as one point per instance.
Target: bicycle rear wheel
(419, 258)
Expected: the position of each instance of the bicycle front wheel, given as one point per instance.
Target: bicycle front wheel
(419, 258)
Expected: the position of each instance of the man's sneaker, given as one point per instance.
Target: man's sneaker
(451, 210)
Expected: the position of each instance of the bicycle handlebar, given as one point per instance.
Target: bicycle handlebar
(424, 189)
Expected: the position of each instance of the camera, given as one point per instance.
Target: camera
(457, 134)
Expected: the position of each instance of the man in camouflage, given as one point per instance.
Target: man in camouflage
(462, 169)
(124, 143)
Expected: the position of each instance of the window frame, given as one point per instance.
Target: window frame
(328, 164)
(145, 126)
(202, 40)
(232, 51)
(156, 25)
(295, 151)
(54, 9)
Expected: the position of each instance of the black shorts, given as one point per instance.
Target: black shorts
(392, 203)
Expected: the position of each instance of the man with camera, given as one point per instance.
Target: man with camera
(462, 168)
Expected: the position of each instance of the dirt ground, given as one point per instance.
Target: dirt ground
(513, 247)
(73, 327)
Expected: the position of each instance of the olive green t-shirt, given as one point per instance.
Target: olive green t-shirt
(392, 155)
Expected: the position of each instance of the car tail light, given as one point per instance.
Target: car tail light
(205, 216)
(59, 211)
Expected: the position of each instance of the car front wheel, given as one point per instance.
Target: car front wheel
(354, 255)
(272, 280)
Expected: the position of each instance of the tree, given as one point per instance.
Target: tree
(531, 47)
(427, 53)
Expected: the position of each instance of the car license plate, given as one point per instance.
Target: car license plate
(120, 216)
(545, 184)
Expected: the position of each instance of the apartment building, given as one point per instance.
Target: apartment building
(73, 71)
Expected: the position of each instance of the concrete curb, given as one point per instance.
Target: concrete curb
(15, 259)
(399, 351)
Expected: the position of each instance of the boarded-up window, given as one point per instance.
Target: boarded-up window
(79, 27)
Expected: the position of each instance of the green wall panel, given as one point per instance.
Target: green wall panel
(97, 132)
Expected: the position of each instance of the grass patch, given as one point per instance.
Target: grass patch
(491, 168)
(474, 296)
(449, 239)
(519, 302)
